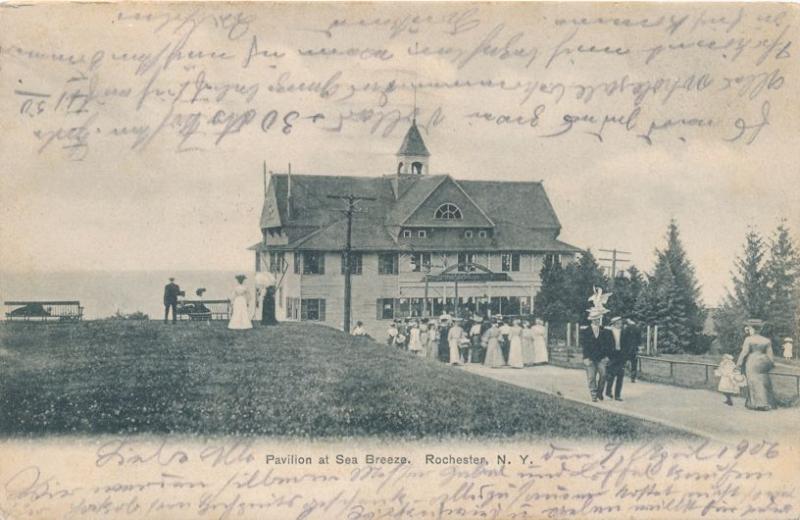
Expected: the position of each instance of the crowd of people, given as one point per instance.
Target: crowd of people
(495, 342)
(517, 343)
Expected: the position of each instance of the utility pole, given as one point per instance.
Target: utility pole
(614, 259)
(348, 211)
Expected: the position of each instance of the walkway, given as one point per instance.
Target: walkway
(698, 411)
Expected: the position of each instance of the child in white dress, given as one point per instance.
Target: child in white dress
(730, 379)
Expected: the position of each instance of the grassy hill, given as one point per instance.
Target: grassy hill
(290, 380)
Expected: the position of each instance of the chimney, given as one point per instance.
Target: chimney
(289, 193)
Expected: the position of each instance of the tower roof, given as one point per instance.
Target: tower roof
(413, 145)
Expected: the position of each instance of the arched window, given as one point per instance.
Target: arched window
(448, 212)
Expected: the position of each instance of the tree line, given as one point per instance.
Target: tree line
(765, 281)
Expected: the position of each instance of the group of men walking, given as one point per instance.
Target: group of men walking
(606, 351)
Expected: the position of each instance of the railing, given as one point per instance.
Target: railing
(204, 310)
(707, 366)
(54, 310)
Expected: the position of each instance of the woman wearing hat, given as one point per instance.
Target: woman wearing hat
(475, 334)
(494, 355)
(756, 360)
(540, 355)
(528, 356)
(240, 314)
(515, 345)
(415, 339)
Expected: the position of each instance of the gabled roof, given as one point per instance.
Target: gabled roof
(420, 189)
(519, 213)
(413, 145)
(448, 191)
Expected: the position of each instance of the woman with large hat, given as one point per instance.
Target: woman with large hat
(494, 355)
(515, 358)
(756, 360)
(240, 314)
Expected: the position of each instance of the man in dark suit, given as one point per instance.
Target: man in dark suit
(596, 344)
(171, 293)
(616, 359)
(633, 339)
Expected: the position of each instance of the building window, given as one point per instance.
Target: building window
(406, 233)
(312, 309)
(355, 263)
(422, 233)
(420, 262)
(468, 233)
(463, 259)
(390, 308)
(387, 263)
(385, 308)
(509, 262)
(552, 258)
(448, 212)
(313, 262)
(276, 262)
(482, 233)
(258, 261)
(292, 308)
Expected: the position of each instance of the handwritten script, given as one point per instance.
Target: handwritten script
(241, 478)
(193, 78)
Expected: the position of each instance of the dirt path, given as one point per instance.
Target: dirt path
(699, 411)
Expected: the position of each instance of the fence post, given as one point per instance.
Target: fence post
(655, 340)
(647, 341)
(569, 333)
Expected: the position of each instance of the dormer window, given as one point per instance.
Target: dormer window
(448, 212)
(422, 233)
(468, 233)
(482, 233)
(406, 233)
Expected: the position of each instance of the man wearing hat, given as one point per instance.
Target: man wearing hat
(616, 359)
(171, 293)
(596, 344)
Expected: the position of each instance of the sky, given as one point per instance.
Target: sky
(158, 209)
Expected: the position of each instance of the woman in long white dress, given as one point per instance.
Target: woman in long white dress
(494, 356)
(515, 359)
(240, 313)
(539, 343)
(528, 357)
(414, 339)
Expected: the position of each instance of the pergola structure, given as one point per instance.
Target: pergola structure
(465, 273)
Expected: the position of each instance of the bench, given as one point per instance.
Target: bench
(203, 310)
(54, 310)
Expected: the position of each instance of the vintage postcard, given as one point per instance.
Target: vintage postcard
(399, 260)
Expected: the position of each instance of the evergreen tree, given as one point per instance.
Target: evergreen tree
(749, 281)
(626, 292)
(550, 304)
(580, 279)
(672, 299)
(750, 297)
(729, 324)
(782, 276)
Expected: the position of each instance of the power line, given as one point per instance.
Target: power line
(614, 260)
(349, 210)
